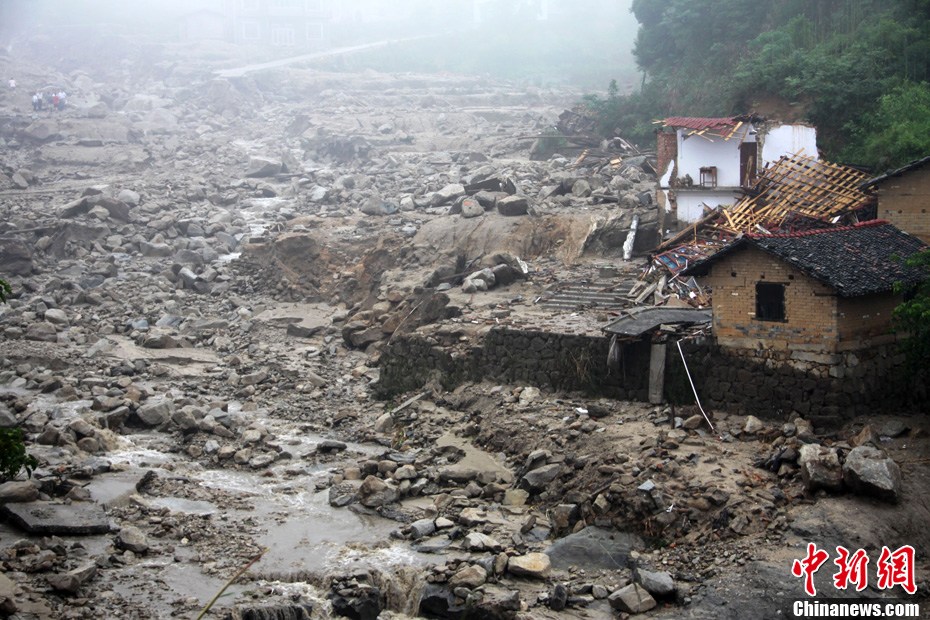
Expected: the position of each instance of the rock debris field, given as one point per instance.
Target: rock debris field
(205, 272)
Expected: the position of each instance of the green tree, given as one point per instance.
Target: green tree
(912, 318)
(855, 69)
(898, 131)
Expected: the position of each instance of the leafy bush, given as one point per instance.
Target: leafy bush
(13, 457)
(912, 317)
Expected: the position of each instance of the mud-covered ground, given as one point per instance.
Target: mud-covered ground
(205, 271)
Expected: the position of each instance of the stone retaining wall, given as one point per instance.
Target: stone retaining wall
(772, 383)
(769, 383)
(543, 359)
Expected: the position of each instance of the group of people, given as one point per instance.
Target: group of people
(52, 101)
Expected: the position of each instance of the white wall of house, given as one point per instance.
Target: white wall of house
(696, 152)
(788, 140)
(691, 202)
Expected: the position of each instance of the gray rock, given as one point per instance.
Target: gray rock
(632, 599)
(15, 257)
(56, 316)
(594, 548)
(71, 581)
(581, 188)
(8, 597)
(753, 425)
(539, 478)
(263, 167)
(19, 181)
(693, 422)
(156, 413)
(155, 250)
(471, 208)
(447, 194)
(132, 539)
(476, 541)
(262, 460)
(375, 492)
(533, 565)
(471, 576)
(868, 471)
(893, 428)
(117, 209)
(341, 495)
(377, 206)
(7, 419)
(422, 528)
(331, 445)
(130, 197)
(820, 467)
(513, 205)
(656, 583)
(18, 491)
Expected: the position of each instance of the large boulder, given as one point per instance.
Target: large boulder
(632, 599)
(15, 257)
(820, 467)
(263, 167)
(537, 479)
(375, 492)
(868, 471)
(513, 205)
(533, 565)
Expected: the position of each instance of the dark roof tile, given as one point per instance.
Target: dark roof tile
(857, 260)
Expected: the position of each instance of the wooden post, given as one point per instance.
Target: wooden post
(657, 374)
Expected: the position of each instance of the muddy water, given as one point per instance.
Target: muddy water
(304, 536)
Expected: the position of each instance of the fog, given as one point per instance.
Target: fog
(587, 42)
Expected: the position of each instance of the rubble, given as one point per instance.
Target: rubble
(206, 272)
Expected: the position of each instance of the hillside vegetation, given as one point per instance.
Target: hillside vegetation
(856, 69)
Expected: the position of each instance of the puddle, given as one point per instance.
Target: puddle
(305, 534)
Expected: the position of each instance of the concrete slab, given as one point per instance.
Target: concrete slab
(650, 318)
(74, 519)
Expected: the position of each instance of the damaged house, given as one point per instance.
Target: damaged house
(808, 315)
(708, 162)
(904, 197)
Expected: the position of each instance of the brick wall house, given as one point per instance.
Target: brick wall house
(823, 291)
(904, 197)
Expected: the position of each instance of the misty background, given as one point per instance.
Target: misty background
(586, 43)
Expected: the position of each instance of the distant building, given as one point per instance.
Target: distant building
(708, 162)
(299, 25)
(904, 197)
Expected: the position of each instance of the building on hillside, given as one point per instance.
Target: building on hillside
(904, 197)
(709, 162)
(822, 291)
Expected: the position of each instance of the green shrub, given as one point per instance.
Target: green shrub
(13, 457)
